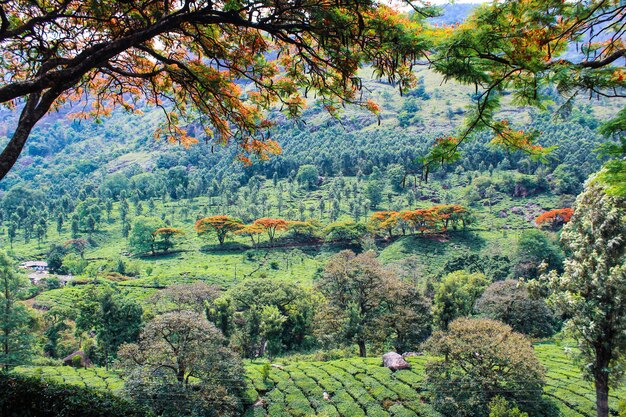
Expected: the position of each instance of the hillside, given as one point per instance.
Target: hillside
(145, 278)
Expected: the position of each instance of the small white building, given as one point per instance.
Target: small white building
(39, 266)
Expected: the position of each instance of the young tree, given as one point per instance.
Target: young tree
(16, 323)
(592, 290)
(11, 232)
(480, 360)
(195, 52)
(181, 356)
(222, 226)
(374, 192)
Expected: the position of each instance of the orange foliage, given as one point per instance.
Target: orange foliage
(166, 232)
(271, 226)
(422, 220)
(554, 218)
(251, 230)
(220, 225)
(385, 220)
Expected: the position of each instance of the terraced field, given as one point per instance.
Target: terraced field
(361, 387)
(97, 378)
(357, 387)
(574, 396)
(354, 388)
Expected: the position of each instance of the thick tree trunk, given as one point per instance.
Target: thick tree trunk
(602, 394)
(362, 348)
(37, 105)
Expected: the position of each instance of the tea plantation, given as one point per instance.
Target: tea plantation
(356, 387)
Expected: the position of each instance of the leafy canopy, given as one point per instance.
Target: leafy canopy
(219, 65)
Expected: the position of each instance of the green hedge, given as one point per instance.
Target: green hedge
(22, 396)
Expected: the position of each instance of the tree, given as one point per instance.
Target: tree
(592, 288)
(554, 219)
(456, 295)
(164, 237)
(78, 245)
(189, 297)
(345, 230)
(119, 321)
(307, 176)
(251, 230)
(511, 303)
(495, 267)
(54, 258)
(534, 248)
(480, 360)
(408, 319)
(271, 226)
(422, 220)
(374, 192)
(357, 296)
(191, 52)
(395, 174)
(262, 316)
(500, 407)
(385, 220)
(522, 47)
(222, 226)
(11, 232)
(142, 238)
(16, 323)
(181, 366)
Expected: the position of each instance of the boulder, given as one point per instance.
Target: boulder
(395, 361)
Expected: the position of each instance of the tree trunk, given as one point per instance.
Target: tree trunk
(362, 349)
(7, 311)
(602, 395)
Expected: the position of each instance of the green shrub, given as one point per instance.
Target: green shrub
(30, 396)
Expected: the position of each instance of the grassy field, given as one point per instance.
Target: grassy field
(358, 386)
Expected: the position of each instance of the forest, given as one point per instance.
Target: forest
(439, 230)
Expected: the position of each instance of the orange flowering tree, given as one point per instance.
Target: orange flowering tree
(221, 225)
(216, 65)
(554, 218)
(271, 226)
(450, 214)
(385, 220)
(253, 231)
(164, 237)
(421, 220)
